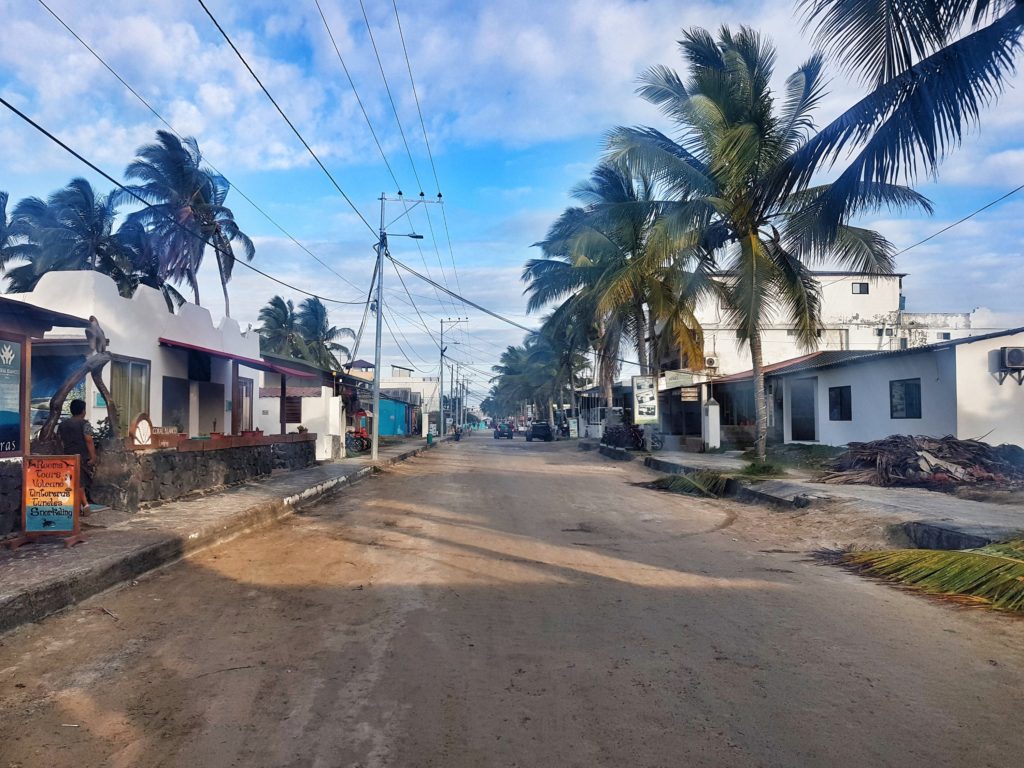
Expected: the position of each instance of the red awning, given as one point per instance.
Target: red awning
(260, 365)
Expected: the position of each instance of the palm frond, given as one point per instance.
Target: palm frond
(993, 574)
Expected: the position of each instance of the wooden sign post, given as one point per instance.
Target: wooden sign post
(50, 500)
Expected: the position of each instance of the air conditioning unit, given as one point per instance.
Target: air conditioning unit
(1012, 358)
(710, 362)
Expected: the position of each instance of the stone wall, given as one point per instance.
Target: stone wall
(126, 479)
(10, 496)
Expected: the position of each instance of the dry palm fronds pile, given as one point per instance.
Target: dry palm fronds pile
(993, 574)
(907, 460)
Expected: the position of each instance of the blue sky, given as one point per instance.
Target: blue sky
(516, 97)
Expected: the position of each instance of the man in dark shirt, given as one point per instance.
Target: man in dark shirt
(76, 439)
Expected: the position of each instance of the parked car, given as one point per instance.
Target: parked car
(503, 430)
(539, 430)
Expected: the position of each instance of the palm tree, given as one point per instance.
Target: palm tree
(728, 202)
(279, 329)
(933, 66)
(322, 340)
(11, 247)
(71, 230)
(618, 248)
(187, 210)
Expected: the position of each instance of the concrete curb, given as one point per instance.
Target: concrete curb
(619, 454)
(920, 534)
(56, 594)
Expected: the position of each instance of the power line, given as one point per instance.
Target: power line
(286, 119)
(486, 311)
(144, 202)
(384, 317)
(416, 96)
(394, 107)
(173, 130)
(430, 155)
(405, 141)
(359, 101)
(961, 221)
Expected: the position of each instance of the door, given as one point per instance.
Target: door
(245, 403)
(802, 407)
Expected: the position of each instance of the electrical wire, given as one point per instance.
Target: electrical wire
(961, 221)
(387, 88)
(286, 119)
(173, 130)
(147, 204)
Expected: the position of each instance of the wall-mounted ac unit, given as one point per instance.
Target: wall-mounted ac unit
(710, 362)
(1012, 358)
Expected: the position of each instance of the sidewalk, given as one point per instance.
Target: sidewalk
(39, 579)
(930, 519)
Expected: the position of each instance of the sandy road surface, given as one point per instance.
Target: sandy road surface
(503, 604)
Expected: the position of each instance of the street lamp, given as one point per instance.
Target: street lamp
(382, 246)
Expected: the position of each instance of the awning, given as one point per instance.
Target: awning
(22, 317)
(249, 362)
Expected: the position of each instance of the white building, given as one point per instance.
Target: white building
(859, 312)
(180, 369)
(970, 388)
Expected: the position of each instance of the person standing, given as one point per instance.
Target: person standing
(76, 438)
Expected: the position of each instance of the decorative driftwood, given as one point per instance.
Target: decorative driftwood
(93, 366)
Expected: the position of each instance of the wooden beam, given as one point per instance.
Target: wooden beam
(236, 410)
(284, 418)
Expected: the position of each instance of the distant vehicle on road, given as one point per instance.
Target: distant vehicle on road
(539, 430)
(503, 430)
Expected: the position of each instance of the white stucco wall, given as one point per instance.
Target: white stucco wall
(133, 327)
(986, 409)
(869, 393)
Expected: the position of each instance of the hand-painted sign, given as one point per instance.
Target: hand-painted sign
(51, 495)
(11, 402)
(645, 400)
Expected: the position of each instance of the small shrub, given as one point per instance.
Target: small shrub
(763, 469)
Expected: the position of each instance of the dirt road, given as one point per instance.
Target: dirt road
(503, 604)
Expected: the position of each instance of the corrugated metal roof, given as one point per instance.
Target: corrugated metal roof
(835, 358)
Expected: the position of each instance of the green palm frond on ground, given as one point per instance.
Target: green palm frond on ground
(700, 483)
(993, 574)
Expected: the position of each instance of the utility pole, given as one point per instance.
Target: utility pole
(382, 246)
(443, 426)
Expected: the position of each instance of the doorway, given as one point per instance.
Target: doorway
(803, 399)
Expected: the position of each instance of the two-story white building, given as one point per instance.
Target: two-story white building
(858, 312)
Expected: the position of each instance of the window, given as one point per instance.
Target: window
(945, 336)
(860, 287)
(129, 389)
(879, 331)
(840, 406)
(292, 410)
(905, 399)
(888, 331)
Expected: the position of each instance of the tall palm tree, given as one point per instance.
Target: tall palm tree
(727, 199)
(188, 211)
(322, 340)
(933, 65)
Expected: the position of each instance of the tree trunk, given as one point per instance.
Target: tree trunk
(760, 400)
(93, 365)
(194, 284)
(223, 249)
(641, 341)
